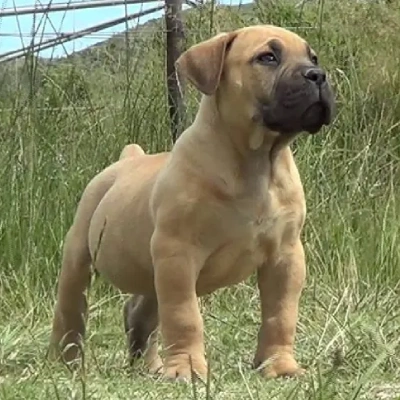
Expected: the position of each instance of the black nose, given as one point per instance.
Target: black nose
(316, 75)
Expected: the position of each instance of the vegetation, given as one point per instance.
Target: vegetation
(63, 121)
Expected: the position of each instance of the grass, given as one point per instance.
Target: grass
(62, 122)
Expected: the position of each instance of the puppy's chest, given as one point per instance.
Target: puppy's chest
(271, 217)
(262, 226)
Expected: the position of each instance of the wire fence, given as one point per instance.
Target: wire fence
(38, 34)
(39, 40)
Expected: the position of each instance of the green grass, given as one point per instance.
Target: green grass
(348, 333)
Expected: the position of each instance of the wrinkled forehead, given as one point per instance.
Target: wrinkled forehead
(250, 41)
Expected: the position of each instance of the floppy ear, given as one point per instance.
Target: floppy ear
(202, 63)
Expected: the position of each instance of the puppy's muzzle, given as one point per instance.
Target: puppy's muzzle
(319, 113)
(303, 102)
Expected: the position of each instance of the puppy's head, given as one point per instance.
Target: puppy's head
(262, 75)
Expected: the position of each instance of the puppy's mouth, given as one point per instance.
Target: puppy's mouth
(316, 116)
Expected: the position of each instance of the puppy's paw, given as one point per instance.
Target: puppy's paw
(180, 368)
(280, 366)
(154, 366)
(66, 353)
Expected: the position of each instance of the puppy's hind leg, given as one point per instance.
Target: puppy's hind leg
(71, 307)
(141, 328)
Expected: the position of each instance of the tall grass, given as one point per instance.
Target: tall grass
(62, 122)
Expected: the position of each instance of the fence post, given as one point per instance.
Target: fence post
(174, 39)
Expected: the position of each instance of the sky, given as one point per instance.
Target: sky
(15, 32)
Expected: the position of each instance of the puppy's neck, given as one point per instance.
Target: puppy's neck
(233, 150)
(249, 142)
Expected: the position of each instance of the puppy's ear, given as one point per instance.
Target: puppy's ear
(202, 63)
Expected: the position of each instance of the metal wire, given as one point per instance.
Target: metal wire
(72, 5)
(60, 39)
(106, 35)
(99, 35)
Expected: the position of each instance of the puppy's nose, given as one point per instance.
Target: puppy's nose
(315, 75)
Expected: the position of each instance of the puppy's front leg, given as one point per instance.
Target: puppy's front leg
(177, 266)
(280, 284)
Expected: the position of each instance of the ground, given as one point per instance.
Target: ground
(347, 345)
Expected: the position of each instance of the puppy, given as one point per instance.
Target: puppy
(226, 202)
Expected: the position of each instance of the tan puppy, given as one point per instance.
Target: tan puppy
(226, 202)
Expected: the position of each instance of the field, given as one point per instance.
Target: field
(63, 121)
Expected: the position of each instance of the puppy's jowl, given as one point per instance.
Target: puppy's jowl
(226, 202)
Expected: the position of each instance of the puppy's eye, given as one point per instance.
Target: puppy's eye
(267, 59)
(314, 60)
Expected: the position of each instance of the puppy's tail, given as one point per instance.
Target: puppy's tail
(131, 150)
